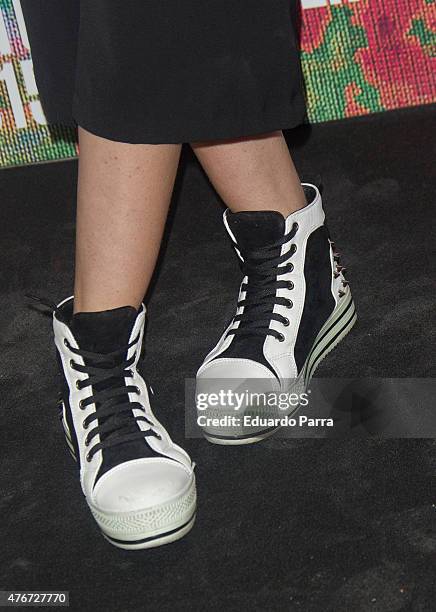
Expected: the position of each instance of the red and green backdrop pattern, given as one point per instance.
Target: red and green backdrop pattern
(359, 57)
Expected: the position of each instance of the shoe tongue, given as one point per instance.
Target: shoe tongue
(105, 331)
(254, 229)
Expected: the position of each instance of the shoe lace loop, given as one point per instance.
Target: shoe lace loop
(106, 375)
(263, 267)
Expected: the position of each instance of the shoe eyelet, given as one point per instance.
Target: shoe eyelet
(81, 406)
(72, 364)
(85, 425)
(293, 248)
(286, 322)
(86, 442)
(137, 390)
(290, 304)
(295, 227)
(290, 267)
(281, 338)
(89, 458)
(78, 386)
(66, 343)
(290, 285)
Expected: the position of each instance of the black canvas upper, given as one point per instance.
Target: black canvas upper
(253, 230)
(103, 331)
(319, 302)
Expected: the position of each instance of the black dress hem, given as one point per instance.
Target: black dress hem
(195, 131)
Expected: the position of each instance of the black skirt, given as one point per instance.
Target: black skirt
(167, 71)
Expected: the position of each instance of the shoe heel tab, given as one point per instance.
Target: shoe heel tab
(313, 196)
(227, 226)
(314, 180)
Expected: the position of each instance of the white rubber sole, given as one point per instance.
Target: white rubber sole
(337, 326)
(150, 527)
(153, 542)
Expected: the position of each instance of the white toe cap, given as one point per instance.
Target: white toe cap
(141, 484)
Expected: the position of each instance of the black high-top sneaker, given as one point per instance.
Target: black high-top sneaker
(294, 307)
(139, 485)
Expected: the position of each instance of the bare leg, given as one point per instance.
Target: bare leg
(123, 197)
(124, 191)
(253, 174)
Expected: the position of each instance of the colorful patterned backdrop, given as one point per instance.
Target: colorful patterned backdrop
(359, 57)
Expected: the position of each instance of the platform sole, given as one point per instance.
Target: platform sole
(152, 541)
(150, 536)
(150, 527)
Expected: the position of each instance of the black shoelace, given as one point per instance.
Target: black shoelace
(116, 423)
(262, 267)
